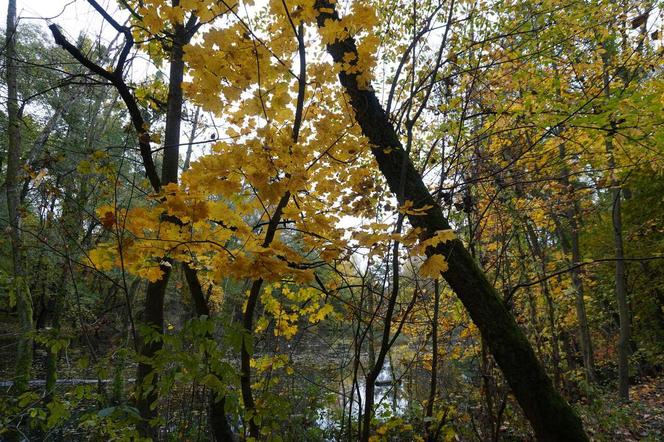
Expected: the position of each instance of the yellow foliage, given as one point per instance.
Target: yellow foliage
(433, 266)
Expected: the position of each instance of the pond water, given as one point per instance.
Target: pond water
(389, 400)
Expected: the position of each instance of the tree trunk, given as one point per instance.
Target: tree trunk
(569, 239)
(147, 386)
(624, 319)
(153, 315)
(550, 416)
(221, 430)
(431, 425)
(20, 289)
(192, 138)
(621, 295)
(586, 342)
(538, 253)
(624, 334)
(248, 323)
(273, 224)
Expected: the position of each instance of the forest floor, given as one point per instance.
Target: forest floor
(642, 419)
(650, 410)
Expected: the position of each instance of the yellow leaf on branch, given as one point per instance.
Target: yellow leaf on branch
(433, 266)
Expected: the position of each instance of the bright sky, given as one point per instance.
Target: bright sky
(73, 16)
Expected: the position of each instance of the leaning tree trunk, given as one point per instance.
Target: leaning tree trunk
(551, 417)
(221, 430)
(20, 289)
(270, 234)
(219, 425)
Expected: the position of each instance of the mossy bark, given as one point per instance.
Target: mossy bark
(20, 288)
(551, 417)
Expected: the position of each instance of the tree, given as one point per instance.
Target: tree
(387, 219)
(551, 417)
(180, 35)
(13, 181)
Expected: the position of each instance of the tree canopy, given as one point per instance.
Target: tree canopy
(292, 220)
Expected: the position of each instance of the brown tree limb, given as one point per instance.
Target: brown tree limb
(115, 78)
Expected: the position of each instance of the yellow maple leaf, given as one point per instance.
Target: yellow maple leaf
(433, 266)
(408, 208)
(100, 259)
(152, 274)
(321, 314)
(440, 236)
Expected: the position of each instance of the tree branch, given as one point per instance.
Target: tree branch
(115, 78)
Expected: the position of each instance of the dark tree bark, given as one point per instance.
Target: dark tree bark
(551, 417)
(153, 314)
(248, 323)
(431, 426)
(221, 430)
(624, 335)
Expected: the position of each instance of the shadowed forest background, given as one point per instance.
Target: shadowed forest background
(320, 220)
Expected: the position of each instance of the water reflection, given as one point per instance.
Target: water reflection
(389, 401)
